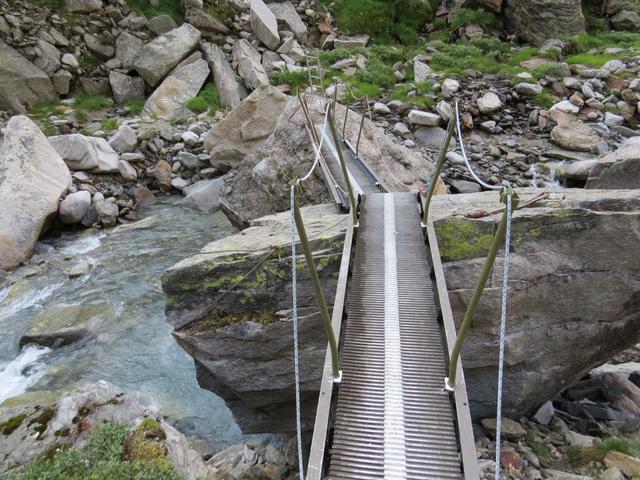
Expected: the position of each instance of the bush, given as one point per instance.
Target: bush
(384, 19)
(295, 80)
(207, 100)
(462, 17)
(377, 73)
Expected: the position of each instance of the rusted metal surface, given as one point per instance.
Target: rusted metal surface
(392, 419)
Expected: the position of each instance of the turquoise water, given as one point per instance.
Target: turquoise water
(131, 346)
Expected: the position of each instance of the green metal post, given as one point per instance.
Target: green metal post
(477, 292)
(317, 288)
(366, 99)
(438, 168)
(345, 173)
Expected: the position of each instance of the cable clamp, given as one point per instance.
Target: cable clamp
(338, 379)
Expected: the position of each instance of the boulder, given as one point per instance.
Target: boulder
(491, 5)
(619, 169)
(21, 82)
(74, 206)
(95, 86)
(286, 13)
(432, 137)
(421, 71)
(625, 463)
(179, 87)
(418, 117)
(626, 20)
(80, 152)
(205, 22)
(204, 195)
(127, 49)
(164, 52)
(539, 20)
(356, 41)
(82, 6)
(573, 282)
(528, 89)
(107, 212)
(241, 341)
(161, 24)
(264, 24)
(126, 88)
(95, 45)
(489, 103)
(231, 90)
(245, 128)
(33, 179)
(247, 61)
(575, 136)
(48, 59)
(127, 171)
(124, 140)
(62, 81)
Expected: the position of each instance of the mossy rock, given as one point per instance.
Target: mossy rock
(462, 238)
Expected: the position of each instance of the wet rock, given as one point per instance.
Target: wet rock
(21, 82)
(179, 87)
(86, 153)
(618, 169)
(264, 24)
(33, 179)
(248, 62)
(163, 53)
(107, 212)
(126, 88)
(204, 195)
(73, 208)
(231, 91)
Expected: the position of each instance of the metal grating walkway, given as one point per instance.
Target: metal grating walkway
(392, 420)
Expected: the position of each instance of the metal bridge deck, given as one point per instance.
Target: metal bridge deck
(392, 420)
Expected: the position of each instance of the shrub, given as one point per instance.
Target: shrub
(109, 124)
(377, 73)
(295, 80)
(618, 444)
(544, 100)
(461, 17)
(207, 100)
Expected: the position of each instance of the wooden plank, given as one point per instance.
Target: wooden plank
(315, 465)
(465, 427)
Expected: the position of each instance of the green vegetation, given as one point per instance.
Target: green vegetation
(165, 7)
(377, 73)
(456, 58)
(385, 20)
(84, 103)
(110, 454)
(41, 113)
(618, 444)
(295, 80)
(419, 93)
(359, 89)
(8, 427)
(88, 61)
(544, 99)
(462, 238)
(461, 17)
(601, 40)
(135, 106)
(220, 9)
(207, 100)
(522, 55)
(109, 124)
(592, 60)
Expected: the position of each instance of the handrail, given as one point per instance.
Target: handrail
(438, 168)
(479, 288)
(343, 165)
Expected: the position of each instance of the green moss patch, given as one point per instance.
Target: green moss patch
(459, 238)
(207, 100)
(8, 427)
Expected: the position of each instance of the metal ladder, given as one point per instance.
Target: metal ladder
(314, 70)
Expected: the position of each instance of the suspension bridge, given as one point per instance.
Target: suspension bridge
(393, 402)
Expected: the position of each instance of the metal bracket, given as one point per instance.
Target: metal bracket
(447, 386)
(338, 379)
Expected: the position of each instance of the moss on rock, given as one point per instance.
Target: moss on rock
(460, 238)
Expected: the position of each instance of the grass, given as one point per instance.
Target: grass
(220, 9)
(109, 124)
(88, 61)
(401, 92)
(360, 89)
(207, 100)
(135, 106)
(107, 456)
(618, 444)
(600, 40)
(295, 80)
(456, 58)
(461, 17)
(590, 59)
(544, 99)
(84, 103)
(41, 112)
(547, 70)
(522, 55)
(377, 73)
(165, 7)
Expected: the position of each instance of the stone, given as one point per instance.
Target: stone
(575, 136)
(489, 103)
(628, 465)
(450, 87)
(86, 153)
(33, 179)
(101, 50)
(286, 13)
(545, 413)
(558, 475)
(421, 71)
(626, 20)
(245, 128)
(62, 81)
(465, 186)
(612, 473)
(611, 119)
(264, 24)
(565, 106)
(82, 6)
(529, 89)
(127, 49)
(74, 206)
(231, 90)
(619, 169)
(81, 268)
(190, 138)
(204, 195)
(418, 117)
(143, 196)
(511, 430)
(492, 5)
(205, 22)
(107, 212)
(70, 61)
(401, 129)
(539, 20)
(188, 160)
(161, 24)
(124, 140)
(126, 88)
(127, 171)
(161, 172)
(576, 439)
(575, 225)
(432, 137)
(95, 86)
(21, 82)
(355, 41)
(49, 58)
(178, 88)
(572, 83)
(614, 66)
(381, 108)
(164, 52)
(247, 60)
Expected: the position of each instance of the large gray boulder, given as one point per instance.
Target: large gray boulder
(205, 22)
(48, 59)
(204, 195)
(248, 62)
(126, 88)
(540, 20)
(21, 82)
(241, 341)
(619, 169)
(179, 87)
(245, 128)
(127, 49)
(574, 299)
(264, 24)
(164, 52)
(231, 90)
(33, 179)
(80, 152)
(286, 13)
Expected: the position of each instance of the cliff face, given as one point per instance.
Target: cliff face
(231, 309)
